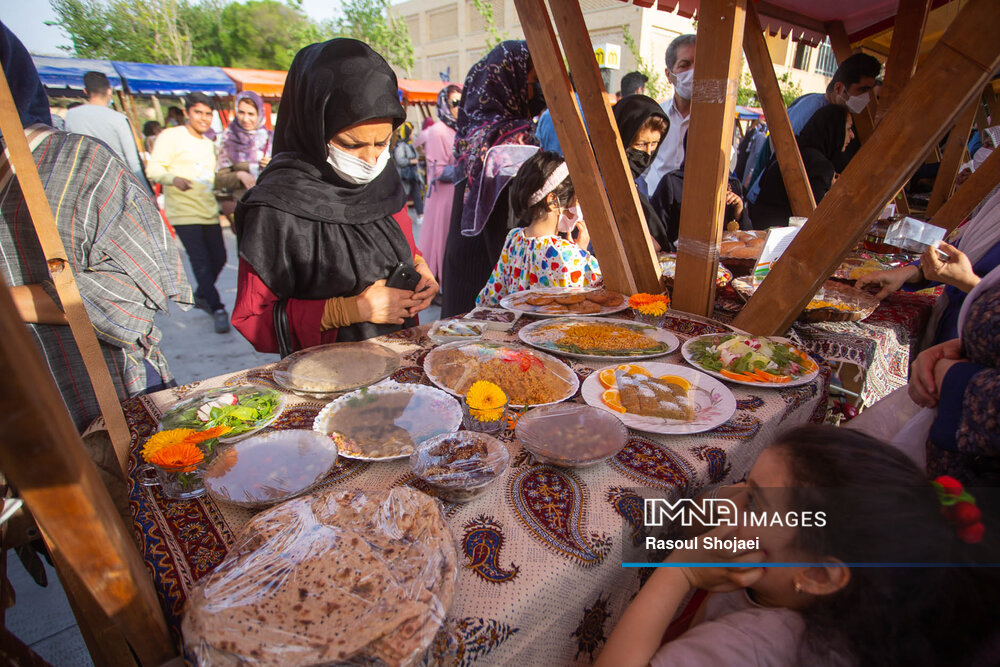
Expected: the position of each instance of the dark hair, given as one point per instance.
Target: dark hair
(197, 98)
(885, 615)
(632, 82)
(96, 83)
(453, 88)
(671, 56)
(855, 68)
(656, 123)
(529, 179)
(150, 127)
(175, 111)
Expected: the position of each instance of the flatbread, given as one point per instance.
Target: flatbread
(340, 575)
(334, 369)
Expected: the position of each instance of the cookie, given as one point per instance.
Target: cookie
(570, 299)
(539, 300)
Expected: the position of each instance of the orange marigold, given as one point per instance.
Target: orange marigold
(182, 455)
(201, 436)
(158, 441)
(644, 299)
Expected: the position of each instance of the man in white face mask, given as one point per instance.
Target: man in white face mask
(680, 73)
(851, 87)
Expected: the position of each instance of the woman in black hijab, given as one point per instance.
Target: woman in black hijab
(642, 126)
(326, 223)
(821, 142)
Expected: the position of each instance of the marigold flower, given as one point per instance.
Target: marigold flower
(182, 455)
(199, 437)
(486, 400)
(158, 441)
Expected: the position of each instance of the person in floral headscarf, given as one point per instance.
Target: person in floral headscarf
(501, 96)
(438, 142)
(244, 149)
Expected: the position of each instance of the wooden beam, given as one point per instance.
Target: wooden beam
(907, 36)
(955, 71)
(608, 147)
(982, 122)
(786, 149)
(967, 197)
(42, 455)
(954, 156)
(993, 103)
(710, 140)
(548, 64)
(768, 9)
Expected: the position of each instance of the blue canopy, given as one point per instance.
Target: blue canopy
(147, 79)
(62, 73)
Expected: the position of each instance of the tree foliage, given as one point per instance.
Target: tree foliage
(370, 22)
(495, 36)
(655, 88)
(747, 94)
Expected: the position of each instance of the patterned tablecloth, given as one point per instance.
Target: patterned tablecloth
(540, 577)
(881, 346)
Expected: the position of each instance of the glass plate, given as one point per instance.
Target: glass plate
(582, 296)
(545, 334)
(324, 370)
(185, 413)
(687, 351)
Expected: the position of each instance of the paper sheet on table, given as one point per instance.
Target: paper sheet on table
(778, 239)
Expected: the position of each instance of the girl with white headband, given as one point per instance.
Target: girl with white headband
(548, 248)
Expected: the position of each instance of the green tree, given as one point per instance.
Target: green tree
(747, 94)
(369, 21)
(655, 88)
(485, 9)
(263, 34)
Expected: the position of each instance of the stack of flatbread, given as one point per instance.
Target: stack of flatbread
(336, 576)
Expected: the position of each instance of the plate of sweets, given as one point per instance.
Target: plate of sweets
(527, 377)
(561, 301)
(660, 398)
(387, 421)
(750, 360)
(598, 338)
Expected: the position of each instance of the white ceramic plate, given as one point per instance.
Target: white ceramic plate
(514, 301)
(714, 402)
(536, 335)
(429, 413)
(687, 353)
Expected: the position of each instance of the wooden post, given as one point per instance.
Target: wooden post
(710, 139)
(907, 35)
(786, 149)
(42, 455)
(573, 139)
(967, 197)
(158, 109)
(954, 155)
(992, 103)
(608, 147)
(864, 122)
(954, 72)
(982, 122)
(62, 277)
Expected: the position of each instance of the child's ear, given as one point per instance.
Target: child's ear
(552, 201)
(824, 580)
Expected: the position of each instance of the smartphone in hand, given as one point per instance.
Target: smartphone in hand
(404, 276)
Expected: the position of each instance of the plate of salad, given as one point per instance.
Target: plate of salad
(750, 360)
(245, 409)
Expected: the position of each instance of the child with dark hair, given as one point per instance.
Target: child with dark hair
(819, 607)
(548, 248)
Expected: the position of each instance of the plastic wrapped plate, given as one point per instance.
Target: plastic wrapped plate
(363, 577)
(526, 376)
(387, 421)
(331, 369)
(266, 469)
(571, 435)
(460, 466)
(245, 409)
(449, 331)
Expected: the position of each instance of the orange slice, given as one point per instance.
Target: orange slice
(677, 380)
(607, 376)
(613, 400)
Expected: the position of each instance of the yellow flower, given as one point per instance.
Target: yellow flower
(158, 441)
(486, 401)
(181, 455)
(654, 309)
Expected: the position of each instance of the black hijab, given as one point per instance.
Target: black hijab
(630, 113)
(306, 232)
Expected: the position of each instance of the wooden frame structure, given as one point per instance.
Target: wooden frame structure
(916, 112)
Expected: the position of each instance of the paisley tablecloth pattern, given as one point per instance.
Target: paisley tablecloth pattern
(540, 578)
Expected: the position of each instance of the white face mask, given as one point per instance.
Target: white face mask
(568, 219)
(353, 169)
(857, 103)
(685, 82)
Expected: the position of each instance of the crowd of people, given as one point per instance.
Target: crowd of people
(327, 253)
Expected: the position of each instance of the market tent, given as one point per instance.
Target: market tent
(66, 74)
(748, 113)
(417, 92)
(264, 82)
(146, 79)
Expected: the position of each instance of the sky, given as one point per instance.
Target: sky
(27, 21)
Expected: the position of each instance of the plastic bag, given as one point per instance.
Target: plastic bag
(914, 235)
(334, 368)
(341, 576)
(571, 435)
(460, 466)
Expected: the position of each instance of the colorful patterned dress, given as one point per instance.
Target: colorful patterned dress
(527, 262)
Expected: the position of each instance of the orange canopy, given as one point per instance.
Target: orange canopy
(416, 92)
(264, 82)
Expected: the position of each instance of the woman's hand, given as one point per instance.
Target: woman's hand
(583, 238)
(955, 271)
(889, 281)
(733, 199)
(182, 184)
(246, 178)
(264, 161)
(924, 388)
(385, 305)
(426, 289)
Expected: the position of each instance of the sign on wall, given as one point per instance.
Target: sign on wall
(609, 56)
